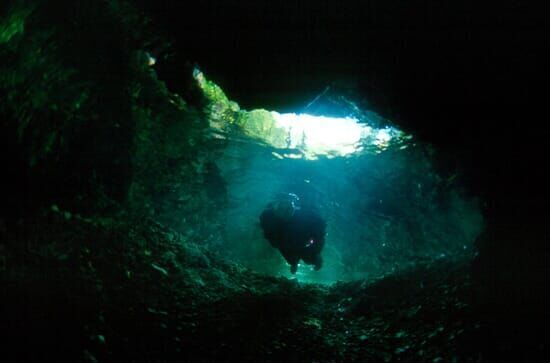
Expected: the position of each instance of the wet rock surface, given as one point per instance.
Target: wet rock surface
(119, 288)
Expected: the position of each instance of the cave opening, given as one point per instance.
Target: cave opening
(386, 207)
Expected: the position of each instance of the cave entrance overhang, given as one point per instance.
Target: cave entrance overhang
(302, 135)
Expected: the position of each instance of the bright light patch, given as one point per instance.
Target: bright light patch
(307, 136)
(321, 135)
(382, 138)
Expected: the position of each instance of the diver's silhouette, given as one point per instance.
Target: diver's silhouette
(298, 233)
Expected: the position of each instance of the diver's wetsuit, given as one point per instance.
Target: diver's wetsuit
(301, 236)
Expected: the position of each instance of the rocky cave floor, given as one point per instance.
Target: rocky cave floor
(127, 288)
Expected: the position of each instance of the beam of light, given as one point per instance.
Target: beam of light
(331, 136)
(304, 135)
(322, 135)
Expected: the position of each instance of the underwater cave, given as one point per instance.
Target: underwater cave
(385, 205)
(299, 181)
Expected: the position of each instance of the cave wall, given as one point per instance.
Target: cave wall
(87, 126)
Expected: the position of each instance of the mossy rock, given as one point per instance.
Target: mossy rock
(260, 124)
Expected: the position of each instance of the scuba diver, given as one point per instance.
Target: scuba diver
(298, 233)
